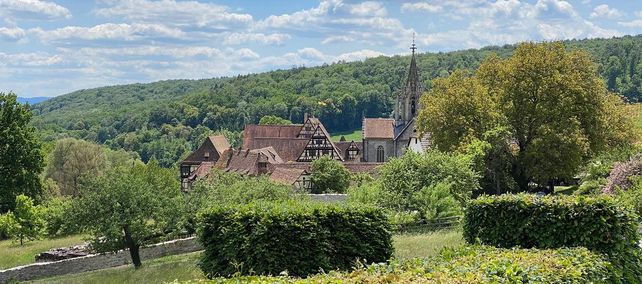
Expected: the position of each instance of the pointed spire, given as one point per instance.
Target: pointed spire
(412, 82)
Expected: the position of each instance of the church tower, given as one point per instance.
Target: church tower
(407, 105)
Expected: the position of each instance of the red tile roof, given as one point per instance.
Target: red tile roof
(287, 176)
(220, 143)
(379, 128)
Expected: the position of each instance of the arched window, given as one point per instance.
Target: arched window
(380, 155)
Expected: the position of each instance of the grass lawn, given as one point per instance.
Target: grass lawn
(13, 254)
(354, 135)
(165, 269)
(426, 244)
(183, 267)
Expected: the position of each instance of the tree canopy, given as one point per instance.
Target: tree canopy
(129, 207)
(544, 106)
(21, 159)
(329, 176)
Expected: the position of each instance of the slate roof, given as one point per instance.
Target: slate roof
(382, 128)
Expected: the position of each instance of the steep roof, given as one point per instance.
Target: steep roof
(288, 149)
(253, 131)
(382, 128)
(247, 161)
(203, 170)
(220, 143)
(210, 150)
(344, 145)
(287, 176)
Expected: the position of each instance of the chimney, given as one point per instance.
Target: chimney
(305, 117)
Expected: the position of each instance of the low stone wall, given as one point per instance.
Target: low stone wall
(97, 261)
(329, 197)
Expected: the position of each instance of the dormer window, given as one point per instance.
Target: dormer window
(206, 155)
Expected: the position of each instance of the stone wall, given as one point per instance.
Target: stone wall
(329, 197)
(97, 261)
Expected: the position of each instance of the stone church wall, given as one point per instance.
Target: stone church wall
(370, 149)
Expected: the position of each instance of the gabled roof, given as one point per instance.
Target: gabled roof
(209, 151)
(382, 128)
(220, 143)
(344, 145)
(288, 149)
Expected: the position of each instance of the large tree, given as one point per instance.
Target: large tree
(72, 159)
(20, 153)
(544, 106)
(329, 176)
(129, 207)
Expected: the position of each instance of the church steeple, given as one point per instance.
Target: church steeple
(407, 106)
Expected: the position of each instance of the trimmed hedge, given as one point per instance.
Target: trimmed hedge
(471, 264)
(300, 238)
(597, 223)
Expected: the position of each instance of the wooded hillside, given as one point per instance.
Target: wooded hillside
(167, 119)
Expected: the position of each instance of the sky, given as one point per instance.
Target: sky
(52, 47)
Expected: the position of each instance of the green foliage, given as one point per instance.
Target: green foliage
(547, 101)
(594, 174)
(27, 223)
(329, 176)
(274, 120)
(129, 207)
(403, 177)
(471, 264)
(299, 238)
(231, 189)
(632, 197)
(57, 213)
(7, 225)
(21, 160)
(597, 223)
(436, 202)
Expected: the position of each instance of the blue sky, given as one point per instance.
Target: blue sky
(52, 47)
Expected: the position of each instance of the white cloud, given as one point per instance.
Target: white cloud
(632, 24)
(180, 13)
(368, 8)
(421, 6)
(12, 34)
(511, 21)
(638, 14)
(29, 59)
(108, 31)
(33, 9)
(240, 38)
(604, 11)
(358, 55)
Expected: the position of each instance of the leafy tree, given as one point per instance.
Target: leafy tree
(553, 109)
(436, 202)
(403, 177)
(21, 160)
(274, 120)
(129, 207)
(28, 223)
(72, 159)
(329, 176)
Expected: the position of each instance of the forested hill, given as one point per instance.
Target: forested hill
(167, 119)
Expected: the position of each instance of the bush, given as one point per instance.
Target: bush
(473, 264)
(329, 176)
(597, 223)
(57, 214)
(7, 225)
(622, 173)
(300, 238)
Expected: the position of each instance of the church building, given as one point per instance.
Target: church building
(391, 137)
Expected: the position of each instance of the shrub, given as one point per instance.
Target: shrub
(473, 264)
(57, 215)
(26, 219)
(7, 225)
(597, 223)
(300, 238)
(329, 176)
(621, 174)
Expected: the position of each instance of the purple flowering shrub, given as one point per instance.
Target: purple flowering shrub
(622, 175)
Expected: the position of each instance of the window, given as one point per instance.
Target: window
(380, 155)
(207, 155)
(352, 154)
(185, 171)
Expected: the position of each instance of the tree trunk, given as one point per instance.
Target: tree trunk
(133, 247)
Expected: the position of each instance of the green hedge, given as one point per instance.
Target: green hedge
(471, 264)
(300, 238)
(597, 223)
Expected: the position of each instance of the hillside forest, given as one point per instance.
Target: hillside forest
(166, 120)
